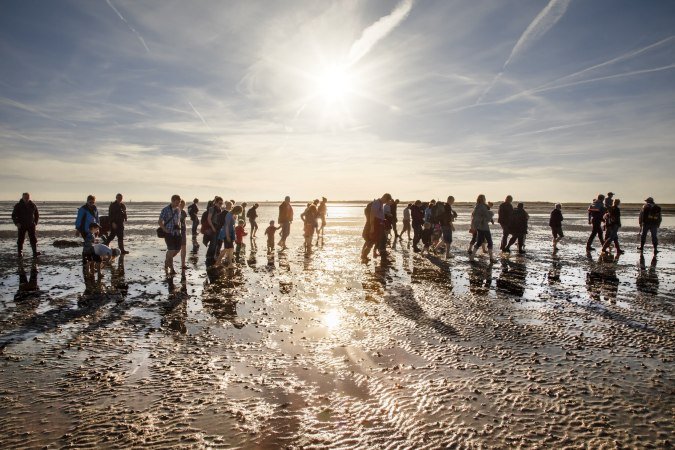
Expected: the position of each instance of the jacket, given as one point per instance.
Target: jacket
(285, 212)
(518, 224)
(25, 213)
(481, 217)
(86, 216)
(117, 213)
(556, 218)
(505, 211)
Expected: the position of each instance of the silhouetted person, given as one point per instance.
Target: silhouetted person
(117, 212)
(612, 225)
(504, 219)
(596, 212)
(25, 216)
(650, 221)
(193, 212)
(285, 220)
(609, 200)
(555, 222)
(323, 212)
(417, 217)
(252, 215)
(518, 228)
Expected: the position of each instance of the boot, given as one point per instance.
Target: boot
(35, 252)
(468, 250)
(492, 258)
(655, 250)
(618, 249)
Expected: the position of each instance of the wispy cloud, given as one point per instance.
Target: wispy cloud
(377, 31)
(198, 113)
(138, 35)
(544, 21)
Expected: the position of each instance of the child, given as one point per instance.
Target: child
(90, 258)
(555, 222)
(239, 233)
(269, 231)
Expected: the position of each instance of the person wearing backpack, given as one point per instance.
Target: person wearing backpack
(612, 225)
(446, 215)
(417, 216)
(518, 228)
(252, 215)
(650, 221)
(208, 217)
(86, 214)
(193, 211)
(366, 234)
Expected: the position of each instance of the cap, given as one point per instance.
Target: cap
(649, 200)
(610, 193)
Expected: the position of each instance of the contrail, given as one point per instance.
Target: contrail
(198, 114)
(375, 32)
(623, 57)
(544, 21)
(140, 38)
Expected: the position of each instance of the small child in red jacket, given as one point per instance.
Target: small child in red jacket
(239, 233)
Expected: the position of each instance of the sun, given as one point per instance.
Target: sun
(334, 84)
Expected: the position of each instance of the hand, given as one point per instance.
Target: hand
(113, 226)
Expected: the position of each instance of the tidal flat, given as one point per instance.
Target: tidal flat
(542, 350)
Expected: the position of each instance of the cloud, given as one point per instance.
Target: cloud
(544, 21)
(138, 35)
(377, 31)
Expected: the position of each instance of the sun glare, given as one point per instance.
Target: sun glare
(334, 84)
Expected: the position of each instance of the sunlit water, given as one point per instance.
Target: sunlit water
(546, 350)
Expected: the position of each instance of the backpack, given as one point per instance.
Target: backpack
(250, 213)
(367, 210)
(204, 223)
(191, 210)
(438, 213)
(653, 214)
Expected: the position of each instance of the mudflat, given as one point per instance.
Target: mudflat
(547, 350)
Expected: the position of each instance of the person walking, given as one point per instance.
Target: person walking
(26, 216)
(252, 215)
(417, 216)
(446, 221)
(86, 214)
(481, 219)
(518, 228)
(612, 225)
(394, 217)
(309, 217)
(596, 212)
(214, 221)
(169, 222)
(323, 213)
(650, 221)
(117, 212)
(504, 219)
(555, 222)
(285, 220)
(183, 234)
(227, 234)
(406, 222)
(609, 200)
(193, 212)
(377, 225)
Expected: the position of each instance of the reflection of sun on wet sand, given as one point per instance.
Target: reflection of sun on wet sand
(542, 350)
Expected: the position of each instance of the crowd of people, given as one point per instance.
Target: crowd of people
(432, 223)
(223, 227)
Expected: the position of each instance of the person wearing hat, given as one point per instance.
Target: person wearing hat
(609, 201)
(650, 221)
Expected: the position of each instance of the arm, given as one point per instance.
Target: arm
(15, 215)
(36, 214)
(209, 220)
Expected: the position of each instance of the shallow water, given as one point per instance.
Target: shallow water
(540, 350)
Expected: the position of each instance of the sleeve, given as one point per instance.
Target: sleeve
(78, 220)
(15, 214)
(36, 214)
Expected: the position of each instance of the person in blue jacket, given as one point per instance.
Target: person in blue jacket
(86, 215)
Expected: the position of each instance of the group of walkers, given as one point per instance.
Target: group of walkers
(223, 226)
(433, 224)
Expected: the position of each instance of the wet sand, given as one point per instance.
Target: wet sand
(540, 350)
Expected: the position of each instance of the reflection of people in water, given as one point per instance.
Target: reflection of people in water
(554, 271)
(220, 297)
(117, 279)
(480, 278)
(28, 287)
(601, 280)
(175, 312)
(512, 277)
(647, 279)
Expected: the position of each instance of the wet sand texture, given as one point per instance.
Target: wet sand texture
(541, 351)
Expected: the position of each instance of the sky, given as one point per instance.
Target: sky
(254, 100)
